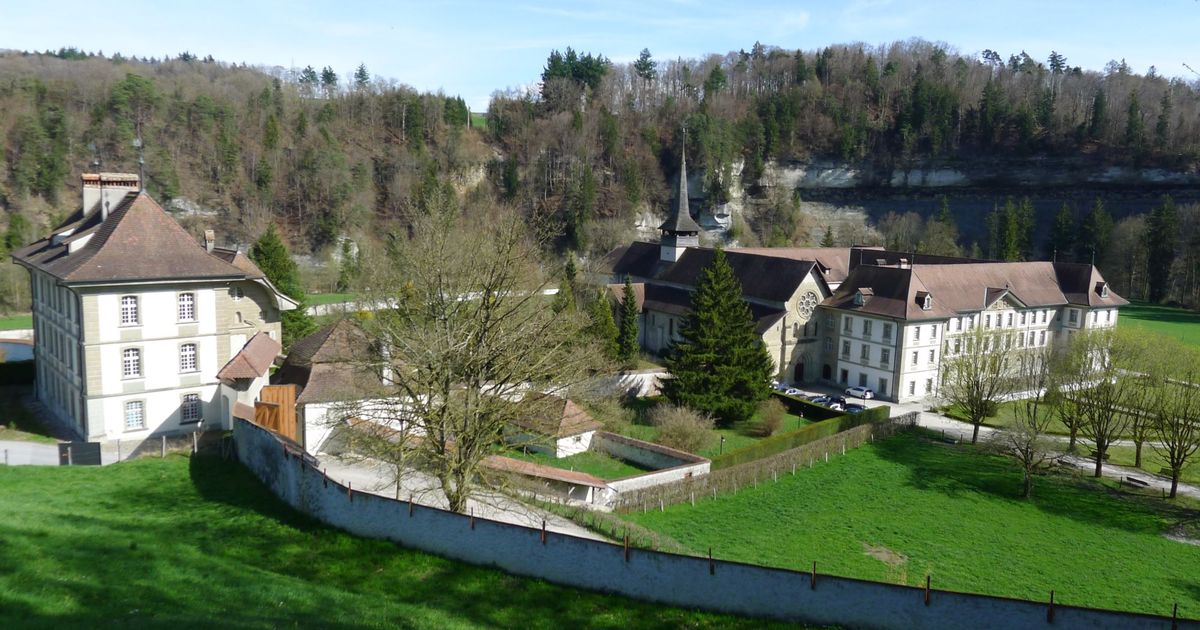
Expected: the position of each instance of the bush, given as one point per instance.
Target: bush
(771, 414)
(682, 428)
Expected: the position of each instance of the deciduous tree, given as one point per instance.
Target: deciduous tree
(976, 378)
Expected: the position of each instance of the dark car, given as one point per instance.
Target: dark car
(854, 408)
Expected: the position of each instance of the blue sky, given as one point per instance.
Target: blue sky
(473, 48)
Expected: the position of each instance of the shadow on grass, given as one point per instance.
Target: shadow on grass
(955, 470)
(1153, 312)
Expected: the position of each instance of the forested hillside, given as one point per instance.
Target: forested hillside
(588, 153)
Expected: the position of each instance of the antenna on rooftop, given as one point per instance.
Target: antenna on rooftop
(137, 144)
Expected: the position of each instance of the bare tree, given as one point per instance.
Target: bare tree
(1100, 385)
(1176, 411)
(1025, 440)
(976, 377)
(470, 335)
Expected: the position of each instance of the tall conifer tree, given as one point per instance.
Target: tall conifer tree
(272, 256)
(719, 366)
(627, 338)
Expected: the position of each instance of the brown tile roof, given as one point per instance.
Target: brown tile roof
(138, 241)
(767, 278)
(834, 261)
(329, 366)
(243, 411)
(239, 260)
(253, 360)
(966, 288)
(529, 469)
(557, 417)
(679, 302)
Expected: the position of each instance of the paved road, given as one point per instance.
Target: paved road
(377, 478)
(28, 454)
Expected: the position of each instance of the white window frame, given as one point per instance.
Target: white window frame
(885, 357)
(237, 293)
(131, 311)
(186, 307)
(189, 361)
(864, 354)
(131, 358)
(191, 408)
(140, 407)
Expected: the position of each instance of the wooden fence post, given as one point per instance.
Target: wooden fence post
(1050, 610)
(410, 503)
(812, 581)
(926, 590)
(543, 531)
(350, 491)
(163, 449)
(712, 568)
(70, 461)
(626, 546)
(472, 519)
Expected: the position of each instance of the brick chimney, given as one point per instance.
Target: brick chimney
(107, 189)
(210, 240)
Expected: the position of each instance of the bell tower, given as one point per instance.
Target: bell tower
(680, 230)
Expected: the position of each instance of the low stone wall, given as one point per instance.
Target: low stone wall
(671, 579)
(669, 464)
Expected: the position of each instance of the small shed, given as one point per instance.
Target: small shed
(554, 425)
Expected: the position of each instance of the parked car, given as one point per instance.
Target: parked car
(838, 399)
(819, 400)
(792, 391)
(860, 392)
(855, 408)
(780, 387)
(836, 406)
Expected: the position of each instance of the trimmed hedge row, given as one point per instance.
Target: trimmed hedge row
(793, 439)
(805, 409)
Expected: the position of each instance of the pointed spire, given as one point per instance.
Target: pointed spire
(680, 220)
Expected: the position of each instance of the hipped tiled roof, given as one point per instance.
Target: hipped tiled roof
(331, 365)
(253, 360)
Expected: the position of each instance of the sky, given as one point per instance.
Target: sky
(473, 48)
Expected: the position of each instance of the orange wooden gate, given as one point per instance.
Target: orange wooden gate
(275, 410)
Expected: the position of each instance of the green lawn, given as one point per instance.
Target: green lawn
(313, 299)
(593, 463)
(16, 322)
(1005, 417)
(197, 542)
(1180, 323)
(1152, 462)
(19, 424)
(905, 507)
(735, 437)
(479, 121)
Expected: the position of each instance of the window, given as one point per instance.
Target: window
(987, 321)
(187, 307)
(932, 356)
(912, 388)
(862, 379)
(131, 363)
(1042, 338)
(865, 354)
(671, 327)
(845, 376)
(916, 333)
(187, 357)
(1043, 317)
(135, 415)
(1073, 316)
(129, 310)
(933, 331)
(928, 385)
(957, 324)
(866, 327)
(885, 357)
(846, 349)
(957, 346)
(829, 344)
(237, 294)
(1022, 318)
(887, 332)
(847, 325)
(971, 322)
(1010, 320)
(883, 386)
(1021, 340)
(915, 358)
(189, 411)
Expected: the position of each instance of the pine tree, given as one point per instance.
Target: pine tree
(720, 365)
(627, 338)
(564, 300)
(603, 328)
(1062, 235)
(827, 240)
(1162, 235)
(273, 258)
(1094, 234)
(362, 78)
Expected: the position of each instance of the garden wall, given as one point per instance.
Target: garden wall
(666, 578)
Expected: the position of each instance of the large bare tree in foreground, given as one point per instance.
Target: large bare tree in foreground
(1101, 386)
(1025, 440)
(470, 342)
(1176, 410)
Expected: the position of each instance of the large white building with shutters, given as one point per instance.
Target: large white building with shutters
(140, 328)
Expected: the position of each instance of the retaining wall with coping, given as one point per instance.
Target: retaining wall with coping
(676, 580)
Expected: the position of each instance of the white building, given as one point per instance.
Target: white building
(134, 318)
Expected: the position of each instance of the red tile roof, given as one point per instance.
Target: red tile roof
(529, 469)
(253, 360)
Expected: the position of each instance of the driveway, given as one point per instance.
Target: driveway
(377, 478)
(28, 454)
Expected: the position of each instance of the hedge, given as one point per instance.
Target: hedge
(792, 439)
(805, 409)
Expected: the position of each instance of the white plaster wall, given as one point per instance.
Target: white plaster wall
(162, 413)
(160, 364)
(573, 444)
(158, 312)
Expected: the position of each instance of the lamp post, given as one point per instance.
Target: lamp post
(722, 451)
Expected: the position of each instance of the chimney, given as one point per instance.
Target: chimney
(107, 189)
(210, 240)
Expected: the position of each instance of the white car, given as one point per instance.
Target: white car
(860, 392)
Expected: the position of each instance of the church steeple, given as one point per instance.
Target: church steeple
(680, 230)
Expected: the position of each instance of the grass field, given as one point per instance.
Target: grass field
(479, 121)
(1152, 462)
(1005, 417)
(1179, 323)
(735, 437)
(198, 542)
(313, 299)
(16, 322)
(596, 464)
(18, 424)
(906, 507)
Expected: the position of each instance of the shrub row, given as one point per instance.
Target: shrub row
(793, 439)
(805, 409)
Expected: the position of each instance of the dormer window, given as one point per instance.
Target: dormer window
(924, 300)
(1102, 289)
(862, 295)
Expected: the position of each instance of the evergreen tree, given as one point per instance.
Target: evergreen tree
(720, 365)
(645, 67)
(17, 233)
(627, 338)
(1162, 236)
(603, 328)
(273, 258)
(827, 240)
(1135, 128)
(941, 232)
(1094, 234)
(362, 78)
(564, 300)
(1162, 128)
(1099, 115)
(1062, 235)
(329, 81)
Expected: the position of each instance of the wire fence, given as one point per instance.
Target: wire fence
(764, 470)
